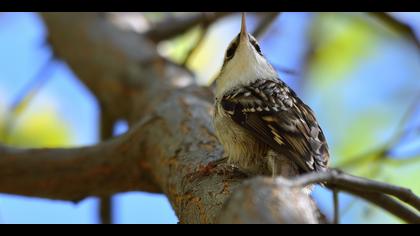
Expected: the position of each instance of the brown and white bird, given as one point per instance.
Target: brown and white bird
(264, 127)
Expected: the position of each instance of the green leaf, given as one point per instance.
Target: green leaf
(43, 128)
(340, 42)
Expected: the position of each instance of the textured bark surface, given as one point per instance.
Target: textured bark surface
(263, 201)
(169, 144)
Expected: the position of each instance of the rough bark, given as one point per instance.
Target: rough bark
(169, 144)
(75, 173)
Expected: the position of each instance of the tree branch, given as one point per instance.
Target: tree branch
(75, 173)
(25, 96)
(105, 209)
(383, 151)
(171, 137)
(336, 202)
(389, 204)
(174, 27)
(373, 191)
(265, 23)
(396, 25)
(198, 43)
(107, 123)
(255, 200)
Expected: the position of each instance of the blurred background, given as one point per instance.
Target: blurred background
(359, 72)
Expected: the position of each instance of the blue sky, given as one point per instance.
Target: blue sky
(23, 52)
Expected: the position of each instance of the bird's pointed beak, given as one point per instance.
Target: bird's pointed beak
(244, 33)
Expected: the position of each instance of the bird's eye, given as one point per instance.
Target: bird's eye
(257, 47)
(231, 51)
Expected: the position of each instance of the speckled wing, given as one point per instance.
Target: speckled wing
(273, 113)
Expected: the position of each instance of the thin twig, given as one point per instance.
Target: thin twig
(384, 149)
(389, 204)
(284, 70)
(336, 207)
(26, 95)
(106, 132)
(373, 191)
(405, 118)
(199, 42)
(265, 24)
(170, 28)
(339, 179)
(105, 209)
(34, 86)
(396, 25)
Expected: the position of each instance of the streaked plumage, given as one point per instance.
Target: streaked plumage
(261, 123)
(271, 112)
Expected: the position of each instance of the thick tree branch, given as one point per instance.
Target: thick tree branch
(114, 68)
(73, 174)
(171, 138)
(253, 202)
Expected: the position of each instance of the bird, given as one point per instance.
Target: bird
(263, 126)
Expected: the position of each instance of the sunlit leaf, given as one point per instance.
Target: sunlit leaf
(176, 49)
(340, 41)
(43, 128)
(360, 134)
(402, 173)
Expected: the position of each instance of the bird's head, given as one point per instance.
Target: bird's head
(243, 62)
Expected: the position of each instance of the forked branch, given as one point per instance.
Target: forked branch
(375, 192)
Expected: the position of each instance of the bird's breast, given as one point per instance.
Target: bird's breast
(241, 148)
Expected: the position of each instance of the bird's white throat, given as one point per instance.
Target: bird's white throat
(245, 67)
